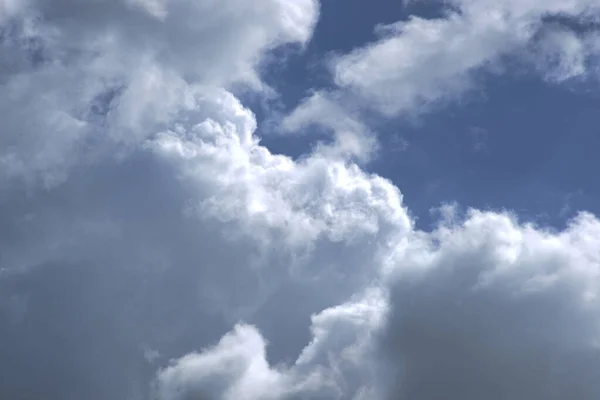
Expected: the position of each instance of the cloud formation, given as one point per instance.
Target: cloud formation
(492, 308)
(420, 64)
(484, 307)
(116, 71)
(152, 247)
(352, 139)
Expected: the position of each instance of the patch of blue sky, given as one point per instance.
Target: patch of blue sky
(517, 142)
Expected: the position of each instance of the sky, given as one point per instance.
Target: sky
(299, 199)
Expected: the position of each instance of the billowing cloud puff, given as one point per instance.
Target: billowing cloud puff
(200, 225)
(162, 223)
(162, 219)
(333, 366)
(114, 70)
(480, 308)
(490, 308)
(316, 218)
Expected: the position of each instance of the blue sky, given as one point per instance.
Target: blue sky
(299, 199)
(516, 142)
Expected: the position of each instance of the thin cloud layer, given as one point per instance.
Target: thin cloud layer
(352, 139)
(152, 247)
(420, 64)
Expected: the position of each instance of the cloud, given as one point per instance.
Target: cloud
(418, 64)
(139, 209)
(117, 70)
(331, 367)
(323, 217)
(142, 220)
(491, 308)
(235, 368)
(562, 54)
(351, 137)
(166, 248)
(480, 308)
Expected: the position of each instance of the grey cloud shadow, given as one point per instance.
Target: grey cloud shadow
(444, 340)
(89, 307)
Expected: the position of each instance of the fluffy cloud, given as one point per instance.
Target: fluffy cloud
(114, 71)
(162, 219)
(192, 231)
(333, 366)
(480, 308)
(321, 217)
(490, 308)
(164, 223)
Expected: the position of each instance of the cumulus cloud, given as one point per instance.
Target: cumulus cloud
(191, 232)
(480, 308)
(309, 215)
(166, 248)
(491, 308)
(142, 220)
(160, 219)
(115, 71)
(332, 366)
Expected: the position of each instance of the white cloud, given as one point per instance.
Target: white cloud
(303, 213)
(420, 63)
(351, 137)
(165, 222)
(489, 308)
(333, 366)
(484, 308)
(561, 54)
(235, 369)
(162, 219)
(121, 67)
